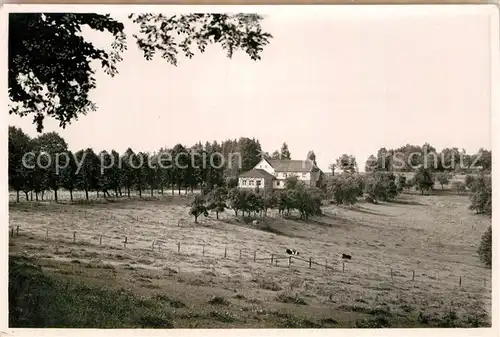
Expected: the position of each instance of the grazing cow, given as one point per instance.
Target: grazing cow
(292, 251)
(345, 256)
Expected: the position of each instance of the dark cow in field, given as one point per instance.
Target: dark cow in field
(292, 251)
(345, 256)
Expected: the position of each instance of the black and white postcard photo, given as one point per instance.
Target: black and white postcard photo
(245, 167)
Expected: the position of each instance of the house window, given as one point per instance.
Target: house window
(284, 175)
(258, 182)
(303, 174)
(277, 183)
(251, 183)
(244, 182)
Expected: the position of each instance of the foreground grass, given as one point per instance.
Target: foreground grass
(43, 299)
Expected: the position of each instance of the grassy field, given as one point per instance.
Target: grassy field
(429, 243)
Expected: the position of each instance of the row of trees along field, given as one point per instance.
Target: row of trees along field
(123, 173)
(407, 158)
(295, 196)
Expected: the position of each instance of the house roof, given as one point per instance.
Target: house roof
(291, 165)
(257, 173)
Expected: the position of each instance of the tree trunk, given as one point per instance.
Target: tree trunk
(97, 194)
(31, 195)
(36, 196)
(43, 192)
(161, 189)
(217, 215)
(128, 192)
(17, 196)
(151, 191)
(71, 195)
(140, 192)
(173, 188)
(27, 197)
(195, 219)
(87, 194)
(55, 194)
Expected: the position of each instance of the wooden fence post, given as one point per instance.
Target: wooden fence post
(343, 266)
(289, 261)
(100, 239)
(254, 256)
(178, 247)
(47, 233)
(225, 252)
(240, 254)
(74, 237)
(272, 258)
(326, 264)
(17, 230)
(12, 232)
(310, 262)
(203, 251)
(125, 242)
(460, 281)
(413, 276)
(392, 278)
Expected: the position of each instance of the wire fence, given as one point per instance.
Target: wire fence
(158, 245)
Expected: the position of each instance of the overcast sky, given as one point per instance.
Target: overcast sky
(325, 84)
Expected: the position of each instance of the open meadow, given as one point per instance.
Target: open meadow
(414, 262)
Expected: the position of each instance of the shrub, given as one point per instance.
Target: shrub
(458, 186)
(481, 195)
(484, 249)
(344, 189)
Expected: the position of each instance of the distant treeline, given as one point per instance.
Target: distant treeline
(184, 167)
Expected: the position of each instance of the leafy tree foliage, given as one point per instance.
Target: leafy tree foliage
(50, 73)
(217, 200)
(480, 198)
(381, 186)
(458, 186)
(469, 181)
(285, 153)
(484, 250)
(424, 179)
(347, 163)
(198, 207)
(343, 189)
(443, 178)
(371, 164)
(19, 175)
(275, 155)
(401, 182)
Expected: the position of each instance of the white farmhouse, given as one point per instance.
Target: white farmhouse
(271, 174)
